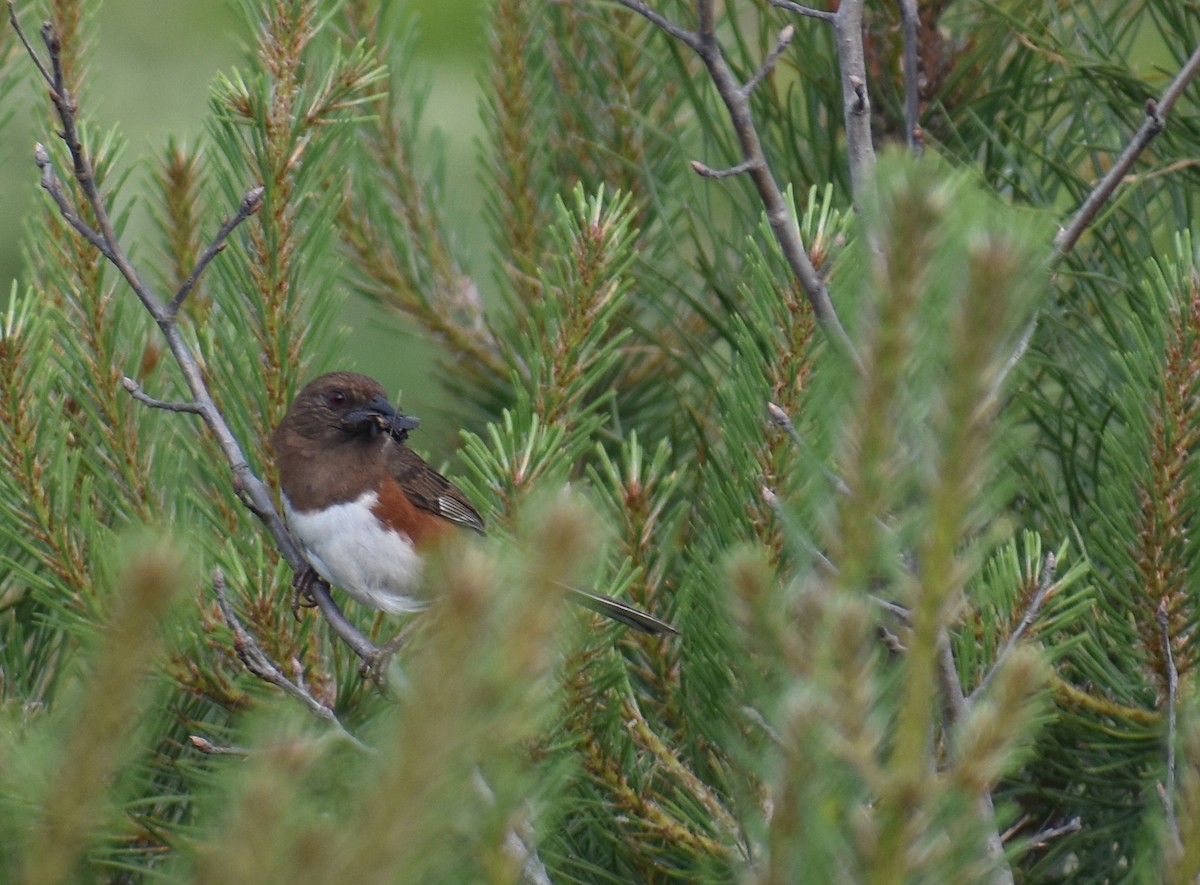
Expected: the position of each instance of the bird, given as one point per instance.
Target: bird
(365, 508)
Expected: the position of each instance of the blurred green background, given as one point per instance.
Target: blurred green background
(152, 66)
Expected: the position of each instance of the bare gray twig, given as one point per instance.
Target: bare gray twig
(135, 390)
(1068, 237)
(783, 421)
(1155, 122)
(781, 43)
(208, 748)
(709, 172)
(37, 61)
(856, 102)
(251, 203)
(1044, 837)
(819, 558)
(954, 703)
(688, 38)
(955, 707)
(808, 11)
(54, 188)
(1168, 790)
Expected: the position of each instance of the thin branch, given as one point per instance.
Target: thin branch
(85, 174)
(910, 20)
(1168, 790)
(1068, 237)
(709, 172)
(997, 385)
(781, 43)
(208, 748)
(1042, 838)
(784, 228)
(251, 203)
(809, 12)
(519, 842)
(954, 703)
(688, 38)
(135, 390)
(708, 23)
(901, 613)
(1155, 122)
(820, 559)
(1045, 584)
(769, 730)
(783, 421)
(16, 26)
(955, 707)
(54, 188)
(856, 102)
(255, 660)
(1046, 836)
(252, 491)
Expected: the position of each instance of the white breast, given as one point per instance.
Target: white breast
(350, 549)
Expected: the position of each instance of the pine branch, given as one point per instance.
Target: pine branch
(249, 487)
(517, 206)
(1156, 120)
(736, 98)
(98, 739)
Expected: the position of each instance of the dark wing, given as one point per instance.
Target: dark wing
(430, 491)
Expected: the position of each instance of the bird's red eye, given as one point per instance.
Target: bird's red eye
(336, 398)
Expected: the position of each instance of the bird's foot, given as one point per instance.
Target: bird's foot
(375, 665)
(302, 597)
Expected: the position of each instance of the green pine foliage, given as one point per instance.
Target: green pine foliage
(937, 613)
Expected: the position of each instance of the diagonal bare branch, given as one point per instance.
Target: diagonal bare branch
(1156, 120)
(688, 38)
(807, 11)
(135, 390)
(250, 204)
(37, 61)
(51, 184)
(781, 43)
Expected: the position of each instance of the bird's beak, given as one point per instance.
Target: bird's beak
(378, 416)
(402, 424)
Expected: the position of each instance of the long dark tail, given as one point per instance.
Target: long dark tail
(619, 611)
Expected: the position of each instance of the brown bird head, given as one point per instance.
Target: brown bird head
(337, 439)
(343, 407)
